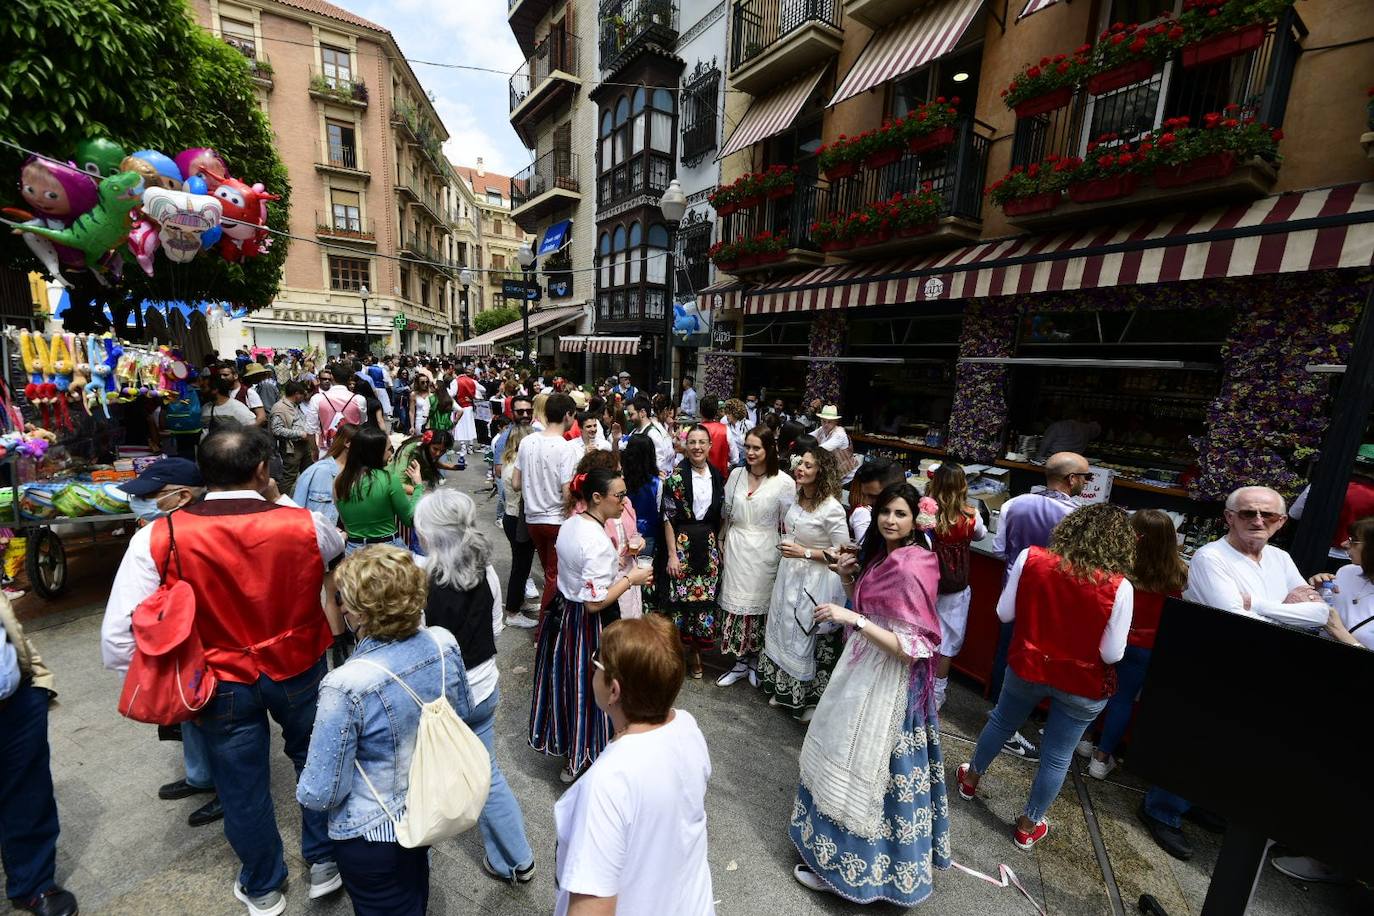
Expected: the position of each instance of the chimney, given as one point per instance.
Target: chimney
(481, 170)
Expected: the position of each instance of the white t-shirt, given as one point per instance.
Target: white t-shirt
(859, 520)
(1221, 576)
(1355, 602)
(546, 463)
(254, 399)
(701, 491)
(664, 452)
(634, 827)
(229, 410)
(588, 563)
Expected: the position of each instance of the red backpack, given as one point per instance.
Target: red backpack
(168, 679)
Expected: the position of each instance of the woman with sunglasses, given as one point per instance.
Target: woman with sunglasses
(875, 730)
(564, 719)
(798, 651)
(692, 498)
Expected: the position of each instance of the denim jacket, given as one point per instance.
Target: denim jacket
(366, 716)
(315, 488)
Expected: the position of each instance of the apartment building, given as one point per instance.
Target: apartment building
(362, 144)
(499, 235)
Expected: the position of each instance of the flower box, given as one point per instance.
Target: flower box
(726, 209)
(1029, 108)
(874, 238)
(748, 260)
(882, 157)
(933, 140)
(1227, 44)
(910, 232)
(1132, 72)
(837, 245)
(1035, 203)
(750, 202)
(780, 193)
(1098, 189)
(726, 266)
(1204, 168)
(773, 257)
(843, 170)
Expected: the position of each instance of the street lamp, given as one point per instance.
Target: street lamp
(673, 204)
(364, 293)
(526, 258)
(467, 279)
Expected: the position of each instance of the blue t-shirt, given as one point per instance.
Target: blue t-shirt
(647, 508)
(10, 675)
(375, 373)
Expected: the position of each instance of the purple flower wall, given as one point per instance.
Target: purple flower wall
(719, 380)
(980, 401)
(823, 379)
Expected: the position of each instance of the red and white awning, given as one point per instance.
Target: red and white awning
(772, 114)
(1321, 229)
(908, 45)
(723, 294)
(614, 346)
(1035, 6)
(540, 320)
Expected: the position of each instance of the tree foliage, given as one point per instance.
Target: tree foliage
(492, 319)
(144, 74)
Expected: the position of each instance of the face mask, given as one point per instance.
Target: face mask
(146, 509)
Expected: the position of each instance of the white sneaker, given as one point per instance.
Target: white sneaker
(808, 878)
(531, 590)
(807, 715)
(733, 676)
(521, 621)
(566, 775)
(1098, 769)
(1084, 749)
(753, 677)
(324, 879)
(272, 903)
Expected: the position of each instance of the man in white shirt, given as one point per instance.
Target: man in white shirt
(688, 406)
(221, 408)
(331, 407)
(642, 415)
(874, 475)
(246, 395)
(1241, 573)
(751, 409)
(544, 468)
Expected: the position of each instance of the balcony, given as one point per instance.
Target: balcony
(337, 89)
(524, 16)
(629, 26)
(1257, 81)
(879, 13)
(640, 180)
(336, 228)
(957, 173)
(407, 184)
(546, 83)
(789, 217)
(544, 186)
(341, 160)
(773, 41)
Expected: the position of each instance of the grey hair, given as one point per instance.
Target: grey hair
(446, 520)
(1234, 499)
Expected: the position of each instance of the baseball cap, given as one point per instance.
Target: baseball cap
(169, 472)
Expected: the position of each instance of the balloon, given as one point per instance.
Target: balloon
(245, 214)
(204, 162)
(158, 170)
(99, 157)
(197, 185)
(182, 219)
(57, 195)
(105, 227)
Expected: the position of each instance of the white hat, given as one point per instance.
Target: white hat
(828, 412)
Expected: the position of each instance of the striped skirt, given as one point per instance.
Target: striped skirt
(564, 718)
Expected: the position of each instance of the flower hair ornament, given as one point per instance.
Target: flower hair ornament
(927, 511)
(577, 483)
(427, 437)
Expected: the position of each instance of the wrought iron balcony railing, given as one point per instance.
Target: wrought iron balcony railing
(758, 24)
(556, 169)
(627, 25)
(556, 53)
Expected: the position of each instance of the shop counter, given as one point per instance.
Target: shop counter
(980, 639)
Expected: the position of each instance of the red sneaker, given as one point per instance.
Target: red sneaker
(1027, 840)
(966, 791)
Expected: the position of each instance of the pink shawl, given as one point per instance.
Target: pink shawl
(902, 587)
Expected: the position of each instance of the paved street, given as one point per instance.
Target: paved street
(125, 852)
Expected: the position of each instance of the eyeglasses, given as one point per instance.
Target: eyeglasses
(1086, 475)
(808, 631)
(1250, 515)
(621, 495)
(518, 411)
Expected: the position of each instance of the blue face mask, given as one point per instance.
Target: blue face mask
(145, 508)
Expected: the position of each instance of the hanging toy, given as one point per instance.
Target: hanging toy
(245, 216)
(97, 388)
(98, 157)
(99, 232)
(33, 347)
(62, 363)
(57, 194)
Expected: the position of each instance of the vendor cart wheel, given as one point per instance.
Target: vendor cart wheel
(46, 563)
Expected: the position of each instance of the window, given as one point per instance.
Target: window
(498, 262)
(603, 248)
(338, 71)
(618, 258)
(700, 99)
(346, 211)
(240, 36)
(495, 197)
(497, 227)
(634, 135)
(405, 282)
(656, 255)
(1137, 10)
(694, 240)
(349, 274)
(343, 144)
(424, 293)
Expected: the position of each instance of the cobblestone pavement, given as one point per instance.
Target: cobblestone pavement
(123, 851)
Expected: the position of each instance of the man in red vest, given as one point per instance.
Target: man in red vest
(719, 455)
(257, 568)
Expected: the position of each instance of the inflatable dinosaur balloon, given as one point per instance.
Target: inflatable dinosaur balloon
(104, 228)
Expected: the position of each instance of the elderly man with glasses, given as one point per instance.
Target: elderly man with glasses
(1242, 573)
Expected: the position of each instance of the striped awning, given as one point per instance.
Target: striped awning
(731, 294)
(1035, 6)
(772, 114)
(541, 319)
(925, 35)
(615, 346)
(1320, 229)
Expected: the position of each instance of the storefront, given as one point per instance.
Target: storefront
(330, 332)
(546, 325)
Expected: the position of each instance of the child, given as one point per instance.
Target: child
(956, 527)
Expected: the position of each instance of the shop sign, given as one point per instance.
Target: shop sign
(934, 288)
(308, 316)
(560, 289)
(514, 289)
(1099, 489)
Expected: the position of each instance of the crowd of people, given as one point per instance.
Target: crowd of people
(362, 591)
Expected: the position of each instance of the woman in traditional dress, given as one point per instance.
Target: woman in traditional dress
(957, 526)
(799, 652)
(692, 499)
(564, 718)
(757, 496)
(871, 818)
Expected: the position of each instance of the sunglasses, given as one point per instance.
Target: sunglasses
(596, 661)
(1086, 475)
(1250, 515)
(815, 625)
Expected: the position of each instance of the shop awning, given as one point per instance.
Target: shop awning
(730, 292)
(555, 237)
(1320, 229)
(772, 114)
(1035, 6)
(540, 321)
(616, 346)
(922, 37)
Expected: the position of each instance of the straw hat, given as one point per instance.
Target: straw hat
(828, 412)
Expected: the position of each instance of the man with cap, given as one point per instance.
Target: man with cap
(627, 391)
(1358, 502)
(244, 394)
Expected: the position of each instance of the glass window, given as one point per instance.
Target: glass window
(347, 212)
(349, 274)
(240, 36)
(661, 132)
(606, 124)
(637, 130)
(638, 104)
(663, 100)
(658, 236)
(343, 144)
(636, 235)
(622, 111)
(338, 71)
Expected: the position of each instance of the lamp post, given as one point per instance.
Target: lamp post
(673, 205)
(526, 258)
(364, 294)
(467, 279)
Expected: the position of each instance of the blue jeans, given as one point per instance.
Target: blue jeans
(28, 809)
(1166, 807)
(237, 736)
(1070, 716)
(384, 879)
(196, 756)
(502, 823)
(1130, 677)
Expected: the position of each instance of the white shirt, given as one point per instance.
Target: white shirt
(838, 439)
(1221, 576)
(1113, 644)
(1355, 602)
(859, 520)
(664, 453)
(546, 463)
(254, 399)
(229, 410)
(588, 563)
(138, 577)
(639, 838)
(688, 406)
(735, 433)
(702, 490)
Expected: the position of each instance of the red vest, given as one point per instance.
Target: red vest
(256, 572)
(719, 455)
(1057, 634)
(466, 389)
(1149, 607)
(1359, 503)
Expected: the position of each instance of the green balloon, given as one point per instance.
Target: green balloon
(98, 156)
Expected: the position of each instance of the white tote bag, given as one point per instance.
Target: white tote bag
(450, 771)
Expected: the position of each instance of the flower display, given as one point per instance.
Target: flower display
(1122, 43)
(980, 401)
(1231, 130)
(1048, 177)
(1051, 73)
(718, 380)
(1203, 18)
(1106, 157)
(823, 379)
(779, 181)
(927, 118)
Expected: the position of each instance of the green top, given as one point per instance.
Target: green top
(438, 420)
(373, 507)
